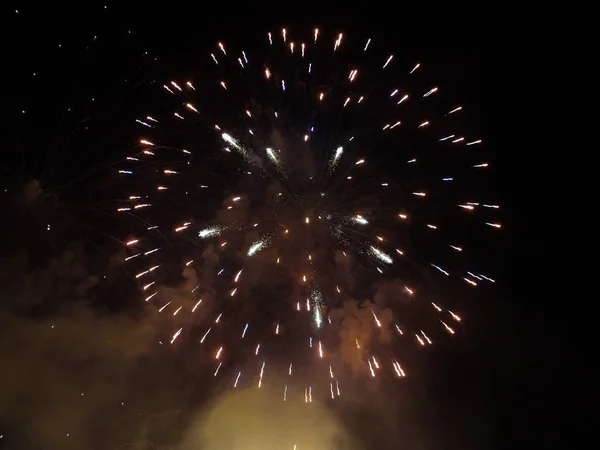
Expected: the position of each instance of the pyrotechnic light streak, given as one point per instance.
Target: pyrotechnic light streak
(375, 362)
(421, 341)
(257, 246)
(205, 334)
(381, 256)
(376, 319)
(210, 232)
(146, 272)
(454, 316)
(475, 276)
(450, 330)
(371, 368)
(176, 334)
(398, 369)
(389, 60)
(262, 369)
(425, 336)
(471, 282)
(360, 220)
(440, 269)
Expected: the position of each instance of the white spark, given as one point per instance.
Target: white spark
(257, 246)
(381, 255)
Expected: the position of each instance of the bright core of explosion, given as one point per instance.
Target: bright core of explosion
(258, 246)
(210, 232)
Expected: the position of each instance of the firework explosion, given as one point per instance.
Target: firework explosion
(300, 142)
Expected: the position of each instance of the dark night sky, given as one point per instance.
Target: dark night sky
(101, 57)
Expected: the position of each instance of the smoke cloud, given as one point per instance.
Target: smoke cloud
(76, 375)
(259, 419)
(358, 331)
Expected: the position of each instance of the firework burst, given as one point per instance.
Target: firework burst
(289, 181)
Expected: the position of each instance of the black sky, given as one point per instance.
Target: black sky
(92, 59)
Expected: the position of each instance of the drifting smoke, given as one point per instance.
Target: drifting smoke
(76, 376)
(61, 363)
(32, 192)
(258, 419)
(358, 331)
(79, 356)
